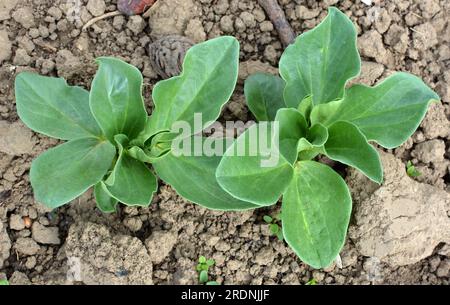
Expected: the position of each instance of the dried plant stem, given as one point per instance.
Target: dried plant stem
(94, 20)
(278, 18)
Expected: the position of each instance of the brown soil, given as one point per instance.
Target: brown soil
(161, 244)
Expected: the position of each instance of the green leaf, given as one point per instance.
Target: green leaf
(194, 178)
(116, 98)
(212, 283)
(146, 155)
(274, 228)
(309, 147)
(305, 106)
(4, 282)
(264, 95)
(131, 182)
(105, 202)
(49, 106)
(317, 135)
(280, 235)
(388, 113)
(411, 170)
(322, 112)
(292, 126)
(63, 173)
(316, 213)
(252, 169)
(267, 218)
(203, 277)
(210, 262)
(321, 61)
(348, 145)
(210, 72)
(202, 259)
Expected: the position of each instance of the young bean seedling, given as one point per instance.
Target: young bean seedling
(203, 270)
(110, 138)
(274, 227)
(311, 282)
(312, 111)
(411, 170)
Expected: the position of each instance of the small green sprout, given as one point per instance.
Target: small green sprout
(311, 282)
(411, 170)
(4, 282)
(203, 268)
(274, 225)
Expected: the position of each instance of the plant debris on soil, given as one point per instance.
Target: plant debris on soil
(399, 233)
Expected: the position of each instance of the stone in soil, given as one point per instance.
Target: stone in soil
(45, 235)
(5, 46)
(402, 221)
(26, 246)
(168, 17)
(107, 257)
(15, 138)
(5, 244)
(160, 244)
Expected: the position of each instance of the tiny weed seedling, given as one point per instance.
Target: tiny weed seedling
(310, 111)
(4, 282)
(411, 170)
(203, 268)
(111, 140)
(274, 226)
(311, 282)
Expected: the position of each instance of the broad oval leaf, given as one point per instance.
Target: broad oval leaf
(264, 95)
(194, 178)
(131, 182)
(116, 98)
(315, 214)
(63, 173)
(51, 107)
(348, 145)
(321, 61)
(292, 127)
(388, 113)
(252, 169)
(105, 202)
(209, 75)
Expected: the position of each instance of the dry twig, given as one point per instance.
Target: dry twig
(276, 15)
(94, 20)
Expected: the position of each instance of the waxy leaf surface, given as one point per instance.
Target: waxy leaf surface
(316, 213)
(194, 178)
(321, 61)
(388, 113)
(116, 98)
(51, 107)
(209, 75)
(63, 173)
(252, 169)
(264, 95)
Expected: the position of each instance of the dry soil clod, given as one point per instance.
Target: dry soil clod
(276, 15)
